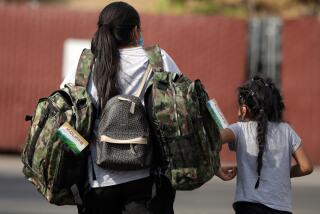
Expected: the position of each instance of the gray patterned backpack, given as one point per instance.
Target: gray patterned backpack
(123, 133)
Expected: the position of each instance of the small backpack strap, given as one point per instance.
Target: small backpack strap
(144, 80)
(84, 68)
(155, 57)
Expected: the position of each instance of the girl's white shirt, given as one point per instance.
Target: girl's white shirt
(133, 63)
(275, 185)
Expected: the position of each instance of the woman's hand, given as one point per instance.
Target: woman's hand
(227, 135)
(227, 173)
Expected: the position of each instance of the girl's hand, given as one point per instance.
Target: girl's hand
(227, 173)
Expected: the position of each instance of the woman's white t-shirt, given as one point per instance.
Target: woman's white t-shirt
(275, 186)
(133, 63)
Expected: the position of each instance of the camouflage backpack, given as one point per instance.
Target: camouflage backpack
(58, 173)
(187, 138)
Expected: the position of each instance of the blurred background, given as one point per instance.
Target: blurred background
(221, 42)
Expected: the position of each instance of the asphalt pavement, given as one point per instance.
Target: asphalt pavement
(18, 196)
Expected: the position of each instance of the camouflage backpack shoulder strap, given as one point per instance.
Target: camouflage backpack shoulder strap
(84, 67)
(155, 57)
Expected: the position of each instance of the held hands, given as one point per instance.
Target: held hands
(227, 173)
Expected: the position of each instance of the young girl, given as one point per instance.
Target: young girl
(264, 144)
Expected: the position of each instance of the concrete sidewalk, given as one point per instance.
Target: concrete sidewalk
(17, 195)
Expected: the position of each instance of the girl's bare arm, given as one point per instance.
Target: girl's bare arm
(303, 165)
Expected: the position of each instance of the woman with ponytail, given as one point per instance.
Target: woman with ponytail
(264, 145)
(119, 64)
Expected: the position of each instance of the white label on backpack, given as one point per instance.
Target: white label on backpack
(72, 138)
(217, 114)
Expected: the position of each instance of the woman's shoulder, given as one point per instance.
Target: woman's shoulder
(141, 51)
(157, 49)
(168, 62)
(164, 52)
(139, 54)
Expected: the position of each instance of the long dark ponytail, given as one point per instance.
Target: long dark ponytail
(265, 104)
(115, 29)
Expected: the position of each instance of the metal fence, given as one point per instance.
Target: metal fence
(213, 49)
